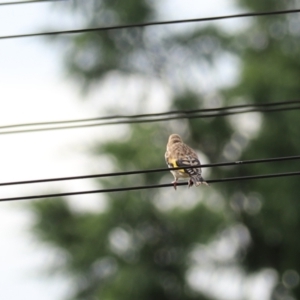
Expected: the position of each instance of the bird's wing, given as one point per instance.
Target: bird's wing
(189, 161)
(185, 161)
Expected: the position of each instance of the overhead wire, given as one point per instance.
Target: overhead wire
(146, 187)
(126, 173)
(172, 112)
(155, 117)
(155, 23)
(28, 2)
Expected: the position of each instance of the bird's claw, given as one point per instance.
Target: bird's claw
(175, 184)
(190, 183)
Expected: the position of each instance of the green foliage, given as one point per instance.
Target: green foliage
(131, 250)
(138, 250)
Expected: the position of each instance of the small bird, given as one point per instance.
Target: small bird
(179, 154)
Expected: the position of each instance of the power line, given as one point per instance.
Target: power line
(28, 2)
(222, 164)
(150, 118)
(117, 27)
(146, 187)
(172, 112)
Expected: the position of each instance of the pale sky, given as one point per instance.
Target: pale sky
(33, 88)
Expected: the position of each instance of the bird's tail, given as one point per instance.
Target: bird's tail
(198, 180)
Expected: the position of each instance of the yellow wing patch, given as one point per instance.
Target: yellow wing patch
(173, 162)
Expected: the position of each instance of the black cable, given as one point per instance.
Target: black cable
(27, 2)
(222, 164)
(150, 118)
(172, 112)
(144, 187)
(116, 27)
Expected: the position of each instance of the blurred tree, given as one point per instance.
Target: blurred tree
(145, 244)
(271, 72)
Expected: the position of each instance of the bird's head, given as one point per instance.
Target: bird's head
(174, 138)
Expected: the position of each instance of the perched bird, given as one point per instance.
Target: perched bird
(179, 154)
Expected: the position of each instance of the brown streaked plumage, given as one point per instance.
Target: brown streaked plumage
(179, 154)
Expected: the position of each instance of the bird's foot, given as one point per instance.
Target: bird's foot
(175, 184)
(190, 183)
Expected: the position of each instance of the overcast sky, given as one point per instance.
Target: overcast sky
(32, 89)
